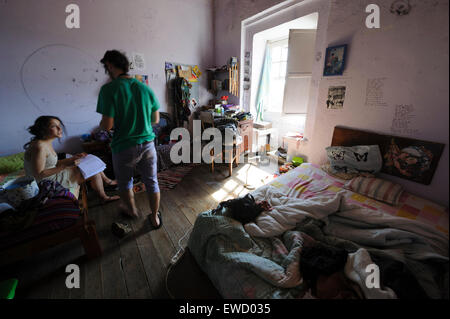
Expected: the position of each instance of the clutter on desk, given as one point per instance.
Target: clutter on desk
(98, 136)
(243, 116)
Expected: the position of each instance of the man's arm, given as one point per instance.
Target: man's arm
(107, 123)
(155, 117)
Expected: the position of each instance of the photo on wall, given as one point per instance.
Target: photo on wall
(336, 97)
(335, 60)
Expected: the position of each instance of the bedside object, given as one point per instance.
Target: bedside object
(246, 131)
(297, 161)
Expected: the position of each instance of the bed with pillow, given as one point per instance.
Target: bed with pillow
(323, 235)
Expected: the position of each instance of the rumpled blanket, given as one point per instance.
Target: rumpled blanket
(261, 259)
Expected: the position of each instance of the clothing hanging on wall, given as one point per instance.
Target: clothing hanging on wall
(182, 100)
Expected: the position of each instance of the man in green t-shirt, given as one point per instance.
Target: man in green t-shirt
(130, 107)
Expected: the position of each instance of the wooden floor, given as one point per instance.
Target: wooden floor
(136, 266)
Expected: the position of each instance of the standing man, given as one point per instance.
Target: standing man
(130, 107)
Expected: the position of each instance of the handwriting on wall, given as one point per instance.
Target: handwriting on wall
(375, 92)
(403, 116)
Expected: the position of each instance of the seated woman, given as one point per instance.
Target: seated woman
(41, 160)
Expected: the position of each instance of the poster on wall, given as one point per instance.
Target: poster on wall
(138, 61)
(375, 92)
(336, 97)
(411, 159)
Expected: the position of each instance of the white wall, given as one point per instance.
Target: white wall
(163, 30)
(228, 16)
(411, 53)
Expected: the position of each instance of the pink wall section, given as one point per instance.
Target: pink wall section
(228, 15)
(411, 54)
(162, 30)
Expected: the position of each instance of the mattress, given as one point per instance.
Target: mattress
(311, 207)
(309, 180)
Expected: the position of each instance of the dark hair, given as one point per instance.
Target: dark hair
(117, 59)
(243, 209)
(40, 128)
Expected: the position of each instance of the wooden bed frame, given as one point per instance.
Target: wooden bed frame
(84, 229)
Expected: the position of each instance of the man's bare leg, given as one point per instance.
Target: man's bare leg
(154, 199)
(128, 203)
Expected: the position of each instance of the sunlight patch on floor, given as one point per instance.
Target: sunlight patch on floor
(234, 187)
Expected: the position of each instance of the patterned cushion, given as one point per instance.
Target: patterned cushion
(376, 188)
(355, 159)
(341, 175)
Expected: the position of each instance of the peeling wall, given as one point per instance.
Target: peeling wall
(35, 41)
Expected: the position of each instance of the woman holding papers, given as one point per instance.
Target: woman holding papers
(41, 160)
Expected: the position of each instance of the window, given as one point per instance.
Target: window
(279, 54)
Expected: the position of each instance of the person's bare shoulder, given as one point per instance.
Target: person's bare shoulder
(36, 148)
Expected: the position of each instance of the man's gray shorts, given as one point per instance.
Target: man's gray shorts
(142, 158)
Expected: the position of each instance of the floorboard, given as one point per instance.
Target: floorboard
(135, 266)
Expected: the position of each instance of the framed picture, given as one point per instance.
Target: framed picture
(335, 60)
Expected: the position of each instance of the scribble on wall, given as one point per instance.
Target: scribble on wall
(63, 81)
(375, 92)
(401, 124)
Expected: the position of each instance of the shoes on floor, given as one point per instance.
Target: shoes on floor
(120, 229)
(160, 221)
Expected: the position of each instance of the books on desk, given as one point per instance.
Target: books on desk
(91, 165)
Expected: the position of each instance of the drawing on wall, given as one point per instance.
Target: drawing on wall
(138, 61)
(335, 60)
(401, 124)
(375, 92)
(412, 159)
(63, 81)
(336, 97)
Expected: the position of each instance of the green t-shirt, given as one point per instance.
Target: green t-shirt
(131, 104)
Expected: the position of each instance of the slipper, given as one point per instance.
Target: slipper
(160, 221)
(120, 229)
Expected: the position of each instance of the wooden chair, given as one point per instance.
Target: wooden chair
(83, 229)
(230, 155)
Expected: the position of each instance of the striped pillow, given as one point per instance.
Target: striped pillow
(376, 188)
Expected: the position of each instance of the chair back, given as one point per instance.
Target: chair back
(207, 118)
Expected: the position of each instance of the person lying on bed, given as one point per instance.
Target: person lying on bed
(41, 160)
